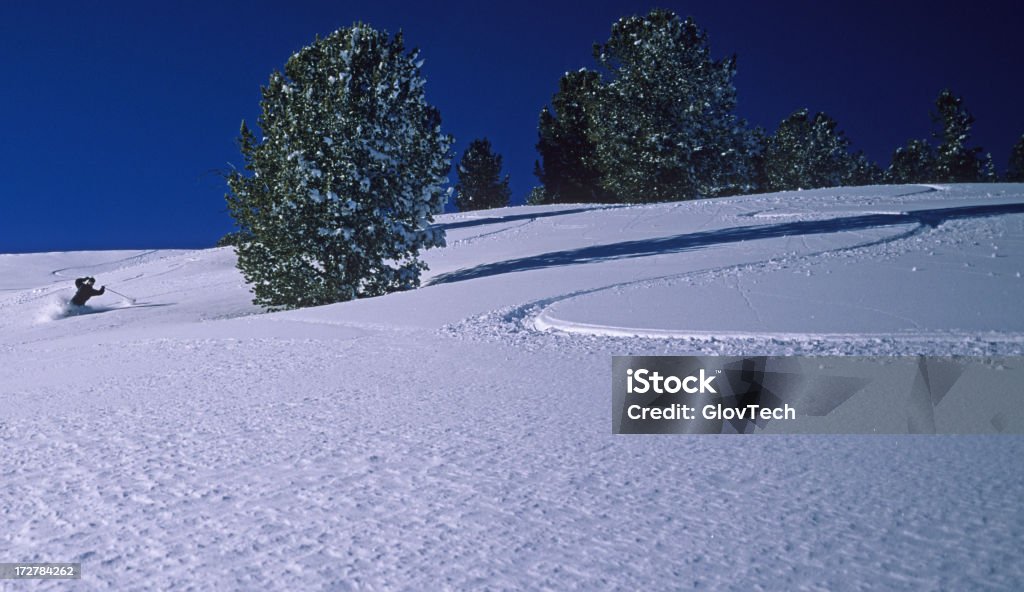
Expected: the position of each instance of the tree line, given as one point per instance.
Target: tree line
(653, 121)
(340, 186)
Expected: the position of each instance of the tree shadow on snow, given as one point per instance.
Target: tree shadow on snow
(517, 217)
(687, 242)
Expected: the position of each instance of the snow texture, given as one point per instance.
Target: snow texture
(458, 436)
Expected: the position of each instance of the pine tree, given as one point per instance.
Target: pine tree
(538, 196)
(988, 169)
(1015, 170)
(757, 176)
(913, 163)
(807, 152)
(568, 168)
(863, 171)
(955, 162)
(665, 124)
(480, 184)
(345, 177)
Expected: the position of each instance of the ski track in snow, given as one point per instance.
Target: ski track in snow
(538, 315)
(193, 444)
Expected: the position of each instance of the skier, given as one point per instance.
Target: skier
(86, 291)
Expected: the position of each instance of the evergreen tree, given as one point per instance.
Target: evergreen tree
(757, 179)
(665, 128)
(863, 172)
(1015, 170)
(538, 196)
(807, 152)
(568, 168)
(913, 163)
(345, 177)
(955, 162)
(480, 184)
(988, 169)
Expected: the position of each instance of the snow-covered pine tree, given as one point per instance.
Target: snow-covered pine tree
(1015, 169)
(955, 162)
(480, 185)
(913, 163)
(568, 167)
(346, 176)
(863, 172)
(757, 179)
(538, 196)
(784, 162)
(988, 169)
(807, 152)
(666, 128)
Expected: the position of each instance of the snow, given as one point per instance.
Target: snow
(458, 436)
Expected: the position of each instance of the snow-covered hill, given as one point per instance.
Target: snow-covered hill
(458, 436)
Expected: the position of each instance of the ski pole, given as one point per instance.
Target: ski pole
(130, 299)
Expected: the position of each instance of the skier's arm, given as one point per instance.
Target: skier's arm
(100, 291)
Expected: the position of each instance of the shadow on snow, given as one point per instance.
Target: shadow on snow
(686, 242)
(502, 219)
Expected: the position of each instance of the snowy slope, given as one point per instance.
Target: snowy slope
(458, 436)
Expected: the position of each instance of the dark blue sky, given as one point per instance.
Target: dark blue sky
(116, 116)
